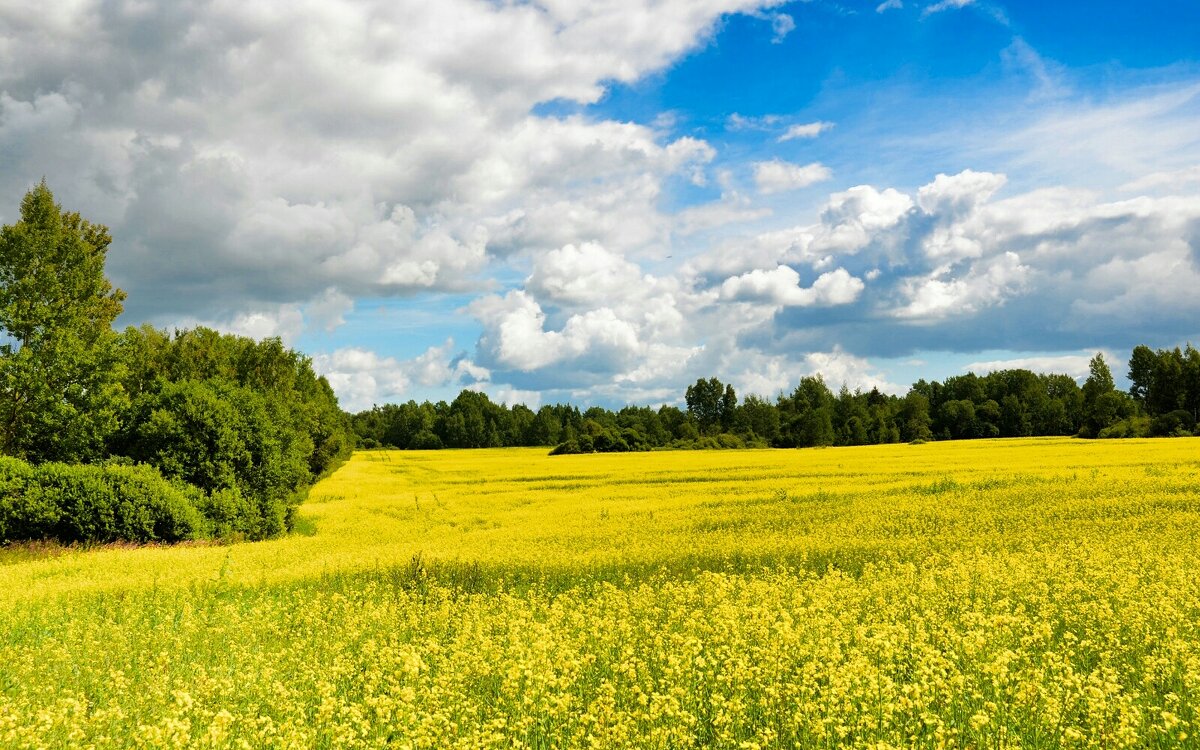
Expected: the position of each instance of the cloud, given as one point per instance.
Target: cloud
(805, 130)
(942, 294)
(952, 196)
(1075, 365)
(581, 276)
(950, 200)
(853, 219)
(955, 265)
(781, 286)
(285, 321)
(1100, 143)
(887, 5)
(733, 208)
(363, 378)
(777, 176)
(329, 310)
(510, 396)
(946, 5)
(247, 156)
(738, 122)
(1047, 77)
(781, 24)
(264, 166)
(516, 338)
(839, 368)
(1176, 179)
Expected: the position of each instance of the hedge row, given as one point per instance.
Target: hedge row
(97, 503)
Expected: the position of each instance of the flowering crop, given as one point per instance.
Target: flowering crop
(1027, 593)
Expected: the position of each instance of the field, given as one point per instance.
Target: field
(982, 594)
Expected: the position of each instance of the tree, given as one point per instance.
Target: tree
(760, 417)
(1100, 380)
(1102, 405)
(958, 416)
(806, 416)
(1191, 381)
(914, 417)
(59, 397)
(712, 404)
(1142, 364)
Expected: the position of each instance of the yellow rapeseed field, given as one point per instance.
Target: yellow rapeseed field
(984, 594)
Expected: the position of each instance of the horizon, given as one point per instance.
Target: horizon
(551, 204)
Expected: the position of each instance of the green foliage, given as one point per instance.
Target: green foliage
(58, 398)
(19, 519)
(1129, 427)
(1101, 404)
(806, 416)
(94, 503)
(1178, 423)
(1166, 381)
(230, 514)
(758, 417)
(712, 404)
(1004, 403)
(246, 422)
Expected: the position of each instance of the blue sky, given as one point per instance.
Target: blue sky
(603, 201)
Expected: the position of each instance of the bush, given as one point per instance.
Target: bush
(149, 508)
(1177, 423)
(566, 448)
(18, 518)
(1131, 427)
(424, 440)
(93, 503)
(219, 436)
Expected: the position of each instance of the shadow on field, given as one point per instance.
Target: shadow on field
(422, 574)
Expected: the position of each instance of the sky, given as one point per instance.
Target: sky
(600, 201)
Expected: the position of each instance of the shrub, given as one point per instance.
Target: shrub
(566, 448)
(229, 513)
(424, 440)
(1173, 424)
(219, 436)
(93, 503)
(149, 508)
(18, 518)
(1130, 427)
(85, 503)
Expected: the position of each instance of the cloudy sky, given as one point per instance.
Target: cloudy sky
(602, 200)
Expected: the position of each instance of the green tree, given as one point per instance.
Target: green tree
(760, 417)
(1142, 365)
(1103, 406)
(1099, 381)
(1191, 381)
(958, 416)
(914, 417)
(59, 392)
(712, 404)
(806, 416)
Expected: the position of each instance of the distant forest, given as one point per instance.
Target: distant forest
(1163, 400)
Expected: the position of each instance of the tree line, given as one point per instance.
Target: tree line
(141, 435)
(1163, 400)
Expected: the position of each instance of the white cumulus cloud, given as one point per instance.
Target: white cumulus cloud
(777, 176)
(781, 286)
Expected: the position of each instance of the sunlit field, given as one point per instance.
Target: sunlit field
(1028, 593)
